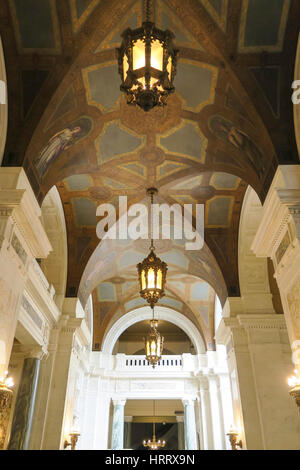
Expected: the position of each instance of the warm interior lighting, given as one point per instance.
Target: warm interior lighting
(147, 64)
(154, 444)
(152, 272)
(74, 435)
(6, 385)
(154, 344)
(233, 434)
(139, 55)
(294, 383)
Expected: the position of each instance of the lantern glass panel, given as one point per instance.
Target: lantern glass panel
(157, 55)
(125, 66)
(151, 279)
(169, 68)
(144, 284)
(159, 279)
(139, 54)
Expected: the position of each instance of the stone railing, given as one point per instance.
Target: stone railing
(185, 362)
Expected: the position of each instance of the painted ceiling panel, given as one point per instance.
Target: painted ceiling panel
(224, 181)
(84, 212)
(44, 36)
(219, 211)
(106, 292)
(200, 291)
(78, 182)
(80, 11)
(116, 141)
(261, 30)
(102, 84)
(199, 90)
(186, 140)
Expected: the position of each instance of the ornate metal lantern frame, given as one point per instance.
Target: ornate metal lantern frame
(147, 64)
(152, 271)
(154, 344)
(152, 276)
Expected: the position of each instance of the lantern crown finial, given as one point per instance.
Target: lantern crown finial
(147, 64)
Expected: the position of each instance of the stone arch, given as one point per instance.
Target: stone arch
(3, 103)
(253, 271)
(145, 313)
(55, 267)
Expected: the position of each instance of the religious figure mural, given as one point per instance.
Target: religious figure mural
(60, 142)
(226, 131)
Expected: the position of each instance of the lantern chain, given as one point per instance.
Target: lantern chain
(148, 10)
(151, 216)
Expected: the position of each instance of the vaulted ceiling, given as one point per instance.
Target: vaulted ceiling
(228, 126)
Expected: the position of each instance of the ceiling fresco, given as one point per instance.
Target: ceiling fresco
(229, 124)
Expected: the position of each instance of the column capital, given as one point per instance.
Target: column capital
(17, 200)
(180, 419)
(119, 402)
(31, 351)
(282, 205)
(188, 401)
(128, 419)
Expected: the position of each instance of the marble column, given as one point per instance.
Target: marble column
(117, 441)
(206, 418)
(127, 432)
(190, 425)
(24, 408)
(181, 439)
(64, 348)
(217, 415)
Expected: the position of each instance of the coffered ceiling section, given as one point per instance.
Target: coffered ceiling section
(227, 126)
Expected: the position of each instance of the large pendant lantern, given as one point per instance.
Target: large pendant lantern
(147, 64)
(154, 344)
(152, 271)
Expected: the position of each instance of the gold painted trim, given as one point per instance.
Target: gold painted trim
(220, 187)
(105, 44)
(144, 175)
(78, 22)
(192, 43)
(50, 123)
(55, 23)
(281, 32)
(221, 20)
(181, 166)
(277, 114)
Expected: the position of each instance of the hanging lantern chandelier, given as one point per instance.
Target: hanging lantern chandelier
(154, 444)
(147, 64)
(152, 271)
(154, 343)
